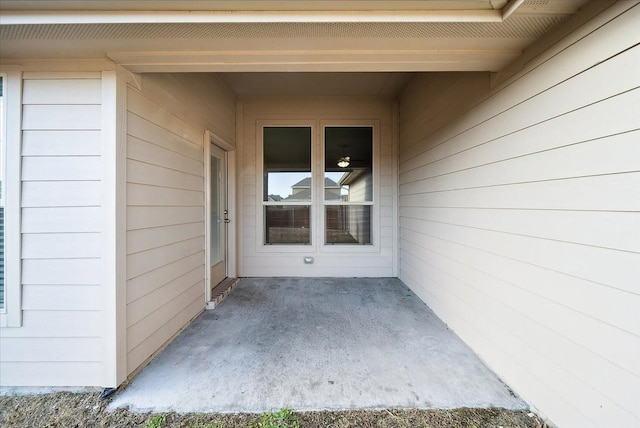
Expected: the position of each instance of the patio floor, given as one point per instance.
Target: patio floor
(316, 344)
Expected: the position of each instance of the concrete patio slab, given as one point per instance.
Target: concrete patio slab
(316, 344)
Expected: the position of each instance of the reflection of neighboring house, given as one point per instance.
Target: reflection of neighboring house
(359, 183)
(301, 191)
(331, 190)
(274, 198)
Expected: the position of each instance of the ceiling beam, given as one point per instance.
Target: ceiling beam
(315, 60)
(251, 5)
(511, 7)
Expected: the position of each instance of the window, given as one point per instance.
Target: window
(317, 188)
(348, 185)
(287, 185)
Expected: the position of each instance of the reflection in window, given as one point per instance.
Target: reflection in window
(287, 224)
(287, 164)
(217, 216)
(348, 186)
(348, 224)
(348, 161)
(287, 186)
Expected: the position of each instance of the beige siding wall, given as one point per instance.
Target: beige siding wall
(258, 260)
(166, 121)
(519, 220)
(60, 341)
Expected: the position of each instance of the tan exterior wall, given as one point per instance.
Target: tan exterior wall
(519, 219)
(60, 340)
(256, 259)
(166, 121)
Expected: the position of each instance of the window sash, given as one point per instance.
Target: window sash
(346, 222)
(287, 161)
(287, 214)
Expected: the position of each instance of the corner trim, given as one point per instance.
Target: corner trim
(11, 315)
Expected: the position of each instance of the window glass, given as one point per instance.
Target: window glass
(287, 164)
(348, 184)
(348, 164)
(287, 224)
(216, 238)
(348, 224)
(287, 185)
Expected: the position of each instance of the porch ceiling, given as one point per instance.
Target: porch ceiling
(275, 36)
(381, 85)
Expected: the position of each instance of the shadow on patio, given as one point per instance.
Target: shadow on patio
(315, 344)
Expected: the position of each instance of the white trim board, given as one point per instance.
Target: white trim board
(11, 316)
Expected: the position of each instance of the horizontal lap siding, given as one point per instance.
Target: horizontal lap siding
(520, 222)
(165, 204)
(60, 341)
(356, 261)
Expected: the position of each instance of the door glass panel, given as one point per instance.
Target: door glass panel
(217, 211)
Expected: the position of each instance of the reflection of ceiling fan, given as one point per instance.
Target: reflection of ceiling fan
(344, 161)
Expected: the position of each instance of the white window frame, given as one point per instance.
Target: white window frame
(261, 246)
(374, 247)
(11, 313)
(317, 203)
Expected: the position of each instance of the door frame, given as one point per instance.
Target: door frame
(211, 137)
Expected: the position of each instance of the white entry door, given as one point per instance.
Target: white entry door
(218, 215)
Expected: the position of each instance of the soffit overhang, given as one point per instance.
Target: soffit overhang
(158, 36)
(566, 6)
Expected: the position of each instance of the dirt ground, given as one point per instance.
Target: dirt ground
(64, 409)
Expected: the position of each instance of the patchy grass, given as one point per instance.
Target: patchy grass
(284, 418)
(156, 421)
(63, 409)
